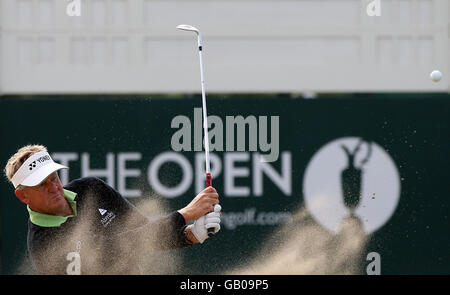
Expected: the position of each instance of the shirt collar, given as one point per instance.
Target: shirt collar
(47, 220)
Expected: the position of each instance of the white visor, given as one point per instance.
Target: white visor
(35, 169)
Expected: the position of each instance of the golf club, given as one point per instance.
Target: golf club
(205, 116)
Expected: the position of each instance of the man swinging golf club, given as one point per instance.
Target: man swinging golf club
(112, 227)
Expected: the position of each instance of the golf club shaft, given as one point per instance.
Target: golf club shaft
(205, 125)
(205, 114)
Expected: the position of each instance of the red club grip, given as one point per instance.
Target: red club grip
(208, 184)
(208, 179)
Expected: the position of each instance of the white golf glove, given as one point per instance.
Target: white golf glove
(201, 225)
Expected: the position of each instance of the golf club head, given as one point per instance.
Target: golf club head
(188, 28)
(192, 29)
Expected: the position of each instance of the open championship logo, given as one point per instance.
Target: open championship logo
(351, 177)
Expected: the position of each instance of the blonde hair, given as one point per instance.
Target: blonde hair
(19, 158)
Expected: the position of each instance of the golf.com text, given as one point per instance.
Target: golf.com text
(251, 216)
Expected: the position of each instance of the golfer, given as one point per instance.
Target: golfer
(90, 221)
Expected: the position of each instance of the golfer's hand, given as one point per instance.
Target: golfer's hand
(202, 204)
(211, 220)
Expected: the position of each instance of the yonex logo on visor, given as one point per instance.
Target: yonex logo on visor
(40, 160)
(32, 165)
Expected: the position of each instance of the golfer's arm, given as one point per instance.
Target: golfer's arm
(167, 232)
(190, 236)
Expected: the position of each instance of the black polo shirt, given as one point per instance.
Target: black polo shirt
(107, 231)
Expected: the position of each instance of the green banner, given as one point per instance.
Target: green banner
(291, 174)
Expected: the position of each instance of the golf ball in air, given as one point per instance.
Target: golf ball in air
(436, 76)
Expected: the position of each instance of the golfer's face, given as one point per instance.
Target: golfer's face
(48, 196)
